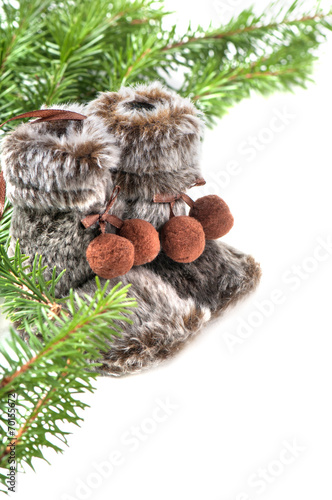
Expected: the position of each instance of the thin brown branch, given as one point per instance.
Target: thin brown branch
(256, 74)
(7, 380)
(40, 403)
(55, 308)
(122, 14)
(247, 29)
(139, 21)
(129, 70)
(6, 55)
(11, 44)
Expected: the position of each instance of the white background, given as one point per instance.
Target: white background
(236, 407)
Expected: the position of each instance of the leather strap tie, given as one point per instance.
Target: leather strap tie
(199, 182)
(172, 198)
(105, 217)
(48, 115)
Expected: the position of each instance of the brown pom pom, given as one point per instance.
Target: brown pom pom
(110, 255)
(144, 237)
(183, 239)
(214, 215)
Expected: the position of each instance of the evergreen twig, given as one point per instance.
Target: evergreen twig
(59, 52)
(74, 51)
(50, 372)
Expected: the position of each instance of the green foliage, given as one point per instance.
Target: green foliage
(24, 290)
(53, 52)
(59, 364)
(68, 51)
(5, 223)
(260, 53)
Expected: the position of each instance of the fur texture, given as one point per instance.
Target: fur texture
(162, 323)
(147, 140)
(60, 238)
(59, 165)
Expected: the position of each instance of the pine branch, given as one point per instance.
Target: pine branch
(251, 53)
(64, 52)
(57, 365)
(240, 31)
(23, 289)
(77, 51)
(5, 223)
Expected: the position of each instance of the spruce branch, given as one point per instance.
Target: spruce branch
(5, 223)
(23, 289)
(56, 366)
(75, 52)
(251, 53)
(216, 35)
(52, 53)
